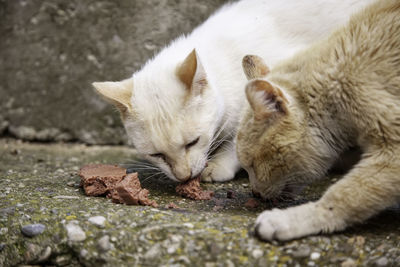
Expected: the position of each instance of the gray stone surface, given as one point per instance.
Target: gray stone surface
(32, 230)
(52, 50)
(34, 189)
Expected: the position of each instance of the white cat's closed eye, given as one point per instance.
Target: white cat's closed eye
(158, 155)
(187, 146)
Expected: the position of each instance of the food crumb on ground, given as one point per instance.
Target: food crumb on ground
(230, 194)
(191, 189)
(252, 203)
(172, 205)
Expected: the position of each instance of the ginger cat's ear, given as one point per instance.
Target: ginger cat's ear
(117, 93)
(254, 67)
(191, 73)
(265, 99)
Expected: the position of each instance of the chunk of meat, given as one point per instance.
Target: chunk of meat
(128, 191)
(191, 189)
(112, 181)
(99, 179)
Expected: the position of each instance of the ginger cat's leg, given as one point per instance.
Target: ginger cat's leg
(372, 186)
(223, 166)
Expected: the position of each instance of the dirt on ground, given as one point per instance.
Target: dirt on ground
(46, 219)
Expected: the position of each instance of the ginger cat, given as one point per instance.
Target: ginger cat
(342, 91)
(182, 109)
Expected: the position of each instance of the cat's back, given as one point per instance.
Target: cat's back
(376, 30)
(368, 73)
(369, 47)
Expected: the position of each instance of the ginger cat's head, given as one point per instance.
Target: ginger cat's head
(170, 114)
(270, 137)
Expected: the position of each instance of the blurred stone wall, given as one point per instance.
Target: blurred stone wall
(51, 51)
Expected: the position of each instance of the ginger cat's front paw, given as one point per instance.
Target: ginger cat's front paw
(292, 223)
(216, 172)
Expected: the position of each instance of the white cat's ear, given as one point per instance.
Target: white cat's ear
(254, 67)
(265, 99)
(192, 74)
(117, 93)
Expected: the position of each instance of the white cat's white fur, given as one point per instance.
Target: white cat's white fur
(163, 116)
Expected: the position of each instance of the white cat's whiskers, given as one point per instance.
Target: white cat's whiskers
(216, 135)
(151, 176)
(138, 161)
(218, 144)
(144, 168)
(227, 141)
(136, 165)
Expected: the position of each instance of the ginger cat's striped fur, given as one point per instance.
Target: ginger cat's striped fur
(342, 91)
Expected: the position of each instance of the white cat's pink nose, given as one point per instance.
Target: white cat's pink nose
(185, 178)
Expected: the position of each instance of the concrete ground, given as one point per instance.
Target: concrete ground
(39, 185)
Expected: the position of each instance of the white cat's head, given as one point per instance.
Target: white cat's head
(170, 114)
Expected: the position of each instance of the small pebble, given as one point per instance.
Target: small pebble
(74, 159)
(188, 225)
(176, 238)
(302, 252)
(348, 263)
(104, 243)
(98, 220)
(32, 230)
(72, 183)
(229, 263)
(45, 255)
(83, 253)
(360, 241)
(32, 252)
(153, 253)
(315, 255)
(383, 261)
(62, 260)
(257, 253)
(75, 232)
(171, 250)
(184, 259)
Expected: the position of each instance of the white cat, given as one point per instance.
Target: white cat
(186, 102)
